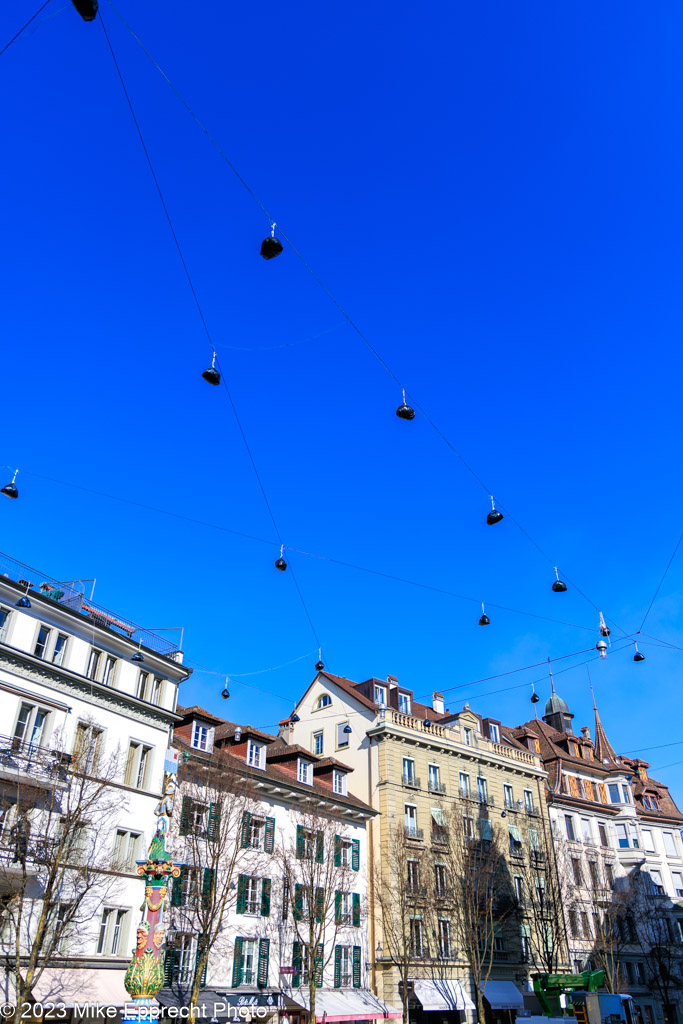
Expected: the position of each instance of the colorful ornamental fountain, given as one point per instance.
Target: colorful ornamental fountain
(145, 975)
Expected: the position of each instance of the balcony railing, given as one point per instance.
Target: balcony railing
(19, 850)
(412, 832)
(412, 782)
(72, 595)
(19, 757)
(440, 834)
(417, 890)
(437, 787)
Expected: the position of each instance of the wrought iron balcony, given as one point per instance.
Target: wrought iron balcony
(412, 832)
(41, 765)
(412, 782)
(439, 834)
(416, 890)
(437, 787)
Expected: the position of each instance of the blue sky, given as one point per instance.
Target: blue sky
(493, 193)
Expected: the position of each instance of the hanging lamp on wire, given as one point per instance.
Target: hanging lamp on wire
(23, 601)
(558, 586)
(404, 411)
(271, 246)
(86, 8)
(534, 696)
(638, 656)
(347, 730)
(294, 718)
(211, 374)
(281, 564)
(484, 620)
(494, 515)
(225, 693)
(604, 628)
(319, 666)
(138, 656)
(601, 648)
(10, 489)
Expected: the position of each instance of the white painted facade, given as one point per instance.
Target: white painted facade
(61, 668)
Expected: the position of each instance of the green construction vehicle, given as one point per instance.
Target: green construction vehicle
(577, 995)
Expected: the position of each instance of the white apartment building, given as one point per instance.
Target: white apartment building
(258, 939)
(72, 672)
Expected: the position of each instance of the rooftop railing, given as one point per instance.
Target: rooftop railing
(71, 594)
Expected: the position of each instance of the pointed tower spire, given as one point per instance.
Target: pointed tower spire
(604, 751)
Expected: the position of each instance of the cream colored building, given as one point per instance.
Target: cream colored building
(413, 763)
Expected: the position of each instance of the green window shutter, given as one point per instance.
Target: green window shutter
(355, 854)
(319, 848)
(337, 851)
(356, 966)
(170, 964)
(269, 844)
(337, 965)
(318, 964)
(319, 905)
(237, 966)
(265, 898)
(285, 899)
(337, 907)
(246, 828)
(178, 886)
(296, 964)
(208, 887)
(214, 825)
(263, 953)
(298, 903)
(201, 944)
(300, 842)
(355, 918)
(185, 815)
(241, 903)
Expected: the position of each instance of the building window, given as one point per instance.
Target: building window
(468, 826)
(585, 925)
(678, 882)
(528, 801)
(444, 938)
(41, 642)
(200, 736)
(381, 696)
(669, 844)
(304, 772)
(345, 907)
(143, 679)
(609, 875)
(613, 790)
(468, 737)
(59, 649)
(482, 790)
(435, 779)
(602, 832)
(93, 663)
(29, 732)
(576, 871)
(440, 879)
(108, 674)
(252, 895)
(180, 970)
(126, 849)
(324, 701)
(586, 830)
(155, 696)
(249, 962)
(635, 842)
(508, 797)
(318, 743)
(410, 811)
(627, 795)
(417, 943)
(593, 872)
(345, 853)
(342, 737)
(518, 882)
(413, 879)
(464, 785)
(87, 746)
(574, 924)
(137, 765)
(404, 703)
(622, 837)
(346, 966)
(256, 755)
(111, 939)
(494, 733)
(257, 828)
(4, 623)
(648, 841)
(339, 782)
(657, 886)
(408, 771)
(569, 827)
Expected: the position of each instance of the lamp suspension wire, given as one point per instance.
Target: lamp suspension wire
(23, 28)
(215, 360)
(347, 316)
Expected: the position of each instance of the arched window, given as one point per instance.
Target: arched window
(323, 702)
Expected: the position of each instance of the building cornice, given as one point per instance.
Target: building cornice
(34, 670)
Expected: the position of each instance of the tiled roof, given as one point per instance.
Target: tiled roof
(197, 711)
(226, 731)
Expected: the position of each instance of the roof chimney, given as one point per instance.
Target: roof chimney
(586, 732)
(437, 703)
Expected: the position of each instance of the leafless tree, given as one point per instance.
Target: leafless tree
(54, 850)
(402, 897)
(212, 838)
(543, 892)
(657, 937)
(318, 868)
(613, 927)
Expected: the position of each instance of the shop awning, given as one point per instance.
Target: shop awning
(442, 994)
(503, 995)
(71, 985)
(345, 1004)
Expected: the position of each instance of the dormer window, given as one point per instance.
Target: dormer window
(404, 703)
(304, 772)
(324, 701)
(200, 736)
(468, 737)
(339, 783)
(494, 733)
(256, 754)
(381, 696)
